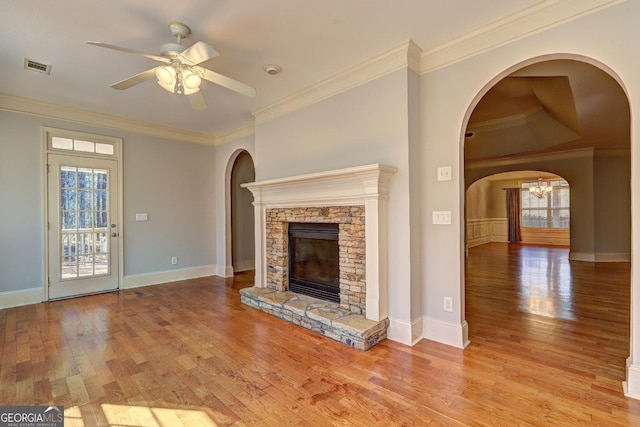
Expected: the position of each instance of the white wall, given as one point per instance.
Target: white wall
(172, 181)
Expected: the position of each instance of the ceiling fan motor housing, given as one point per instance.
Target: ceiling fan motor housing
(171, 50)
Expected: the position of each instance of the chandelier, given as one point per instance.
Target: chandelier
(540, 190)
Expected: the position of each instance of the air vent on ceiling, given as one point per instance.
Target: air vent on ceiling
(37, 66)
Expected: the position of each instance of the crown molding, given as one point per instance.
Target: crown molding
(234, 134)
(407, 55)
(534, 19)
(76, 115)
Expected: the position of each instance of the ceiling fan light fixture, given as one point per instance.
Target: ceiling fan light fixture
(166, 74)
(180, 72)
(190, 80)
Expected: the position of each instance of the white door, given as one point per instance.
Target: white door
(83, 233)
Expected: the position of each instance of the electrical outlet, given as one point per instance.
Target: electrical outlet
(174, 260)
(448, 304)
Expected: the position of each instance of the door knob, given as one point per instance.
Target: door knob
(114, 234)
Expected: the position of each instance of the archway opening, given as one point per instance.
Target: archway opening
(242, 214)
(571, 119)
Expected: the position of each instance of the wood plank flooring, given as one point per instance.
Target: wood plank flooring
(549, 342)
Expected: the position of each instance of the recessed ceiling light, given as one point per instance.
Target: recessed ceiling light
(272, 69)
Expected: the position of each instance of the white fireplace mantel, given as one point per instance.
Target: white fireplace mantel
(362, 185)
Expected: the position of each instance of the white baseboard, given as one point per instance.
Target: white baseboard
(224, 271)
(631, 386)
(472, 243)
(138, 280)
(599, 257)
(244, 266)
(404, 332)
(21, 297)
(456, 335)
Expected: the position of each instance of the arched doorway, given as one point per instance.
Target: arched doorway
(544, 216)
(240, 213)
(571, 118)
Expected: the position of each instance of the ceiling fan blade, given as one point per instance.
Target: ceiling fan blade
(229, 83)
(135, 52)
(197, 100)
(197, 53)
(134, 80)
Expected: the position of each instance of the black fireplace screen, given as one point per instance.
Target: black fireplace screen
(314, 267)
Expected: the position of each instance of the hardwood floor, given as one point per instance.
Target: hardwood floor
(549, 342)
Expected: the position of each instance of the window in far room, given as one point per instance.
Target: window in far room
(545, 203)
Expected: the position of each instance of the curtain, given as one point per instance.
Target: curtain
(513, 214)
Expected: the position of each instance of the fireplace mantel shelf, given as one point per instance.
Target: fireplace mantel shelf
(350, 186)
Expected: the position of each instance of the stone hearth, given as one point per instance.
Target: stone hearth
(323, 317)
(356, 199)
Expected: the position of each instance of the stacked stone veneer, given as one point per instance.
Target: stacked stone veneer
(323, 317)
(351, 244)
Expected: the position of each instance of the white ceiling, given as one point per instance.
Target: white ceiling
(311, 41)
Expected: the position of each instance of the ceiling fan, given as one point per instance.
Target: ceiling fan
(181, 72)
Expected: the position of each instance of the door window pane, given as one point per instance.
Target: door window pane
(85, 146)
(104, 148)
(62, 143)
(84, 199)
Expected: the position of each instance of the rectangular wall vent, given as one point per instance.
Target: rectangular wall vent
(37, 66)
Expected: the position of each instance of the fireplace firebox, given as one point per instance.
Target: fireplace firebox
(314, 267)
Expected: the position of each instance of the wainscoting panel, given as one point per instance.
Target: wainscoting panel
(485, 230)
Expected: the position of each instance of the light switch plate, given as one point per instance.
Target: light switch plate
(444, 173)
(141, 217)
(442, 217)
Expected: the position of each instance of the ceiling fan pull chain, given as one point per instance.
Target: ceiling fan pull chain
(179, 88)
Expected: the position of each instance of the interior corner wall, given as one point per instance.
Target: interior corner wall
(447, 95)
(478, 200)
(364, 125)
(413, 89)
(171, 181)
(612, 203)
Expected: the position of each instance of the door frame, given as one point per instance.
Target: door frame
(46, 134)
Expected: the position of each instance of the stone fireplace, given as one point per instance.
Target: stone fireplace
(351, 249)
(354, 199)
